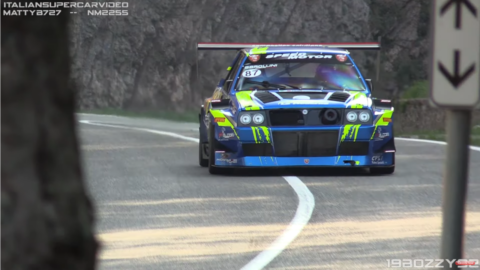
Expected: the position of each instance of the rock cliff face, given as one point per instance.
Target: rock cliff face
(147, 60)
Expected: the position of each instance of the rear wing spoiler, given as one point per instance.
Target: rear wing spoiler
(239, 46)
(345, 46)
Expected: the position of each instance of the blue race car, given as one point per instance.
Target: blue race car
(295, 105)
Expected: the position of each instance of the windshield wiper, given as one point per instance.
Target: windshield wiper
(267, 84)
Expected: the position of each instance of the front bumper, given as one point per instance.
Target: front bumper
(340, 146)
(380, 160)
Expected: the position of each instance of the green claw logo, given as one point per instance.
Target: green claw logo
(350, 131)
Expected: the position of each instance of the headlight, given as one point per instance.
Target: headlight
(258, 118)
(352, 116)
(364, 116)
(245, 119)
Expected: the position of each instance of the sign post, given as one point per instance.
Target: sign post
(455, 86)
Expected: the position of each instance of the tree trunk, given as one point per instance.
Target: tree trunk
(47, 217)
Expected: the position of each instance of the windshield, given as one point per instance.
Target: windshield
(299, 71)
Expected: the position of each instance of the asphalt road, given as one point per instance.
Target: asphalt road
(157, 209)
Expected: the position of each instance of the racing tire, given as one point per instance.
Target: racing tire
(203, 162)
(211, 152)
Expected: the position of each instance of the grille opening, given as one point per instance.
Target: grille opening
(353, 149)
(266, 96)
(339, 96)
(330, 117)
(286, 118)
(286, 144)
(320, 143)
(257, 149)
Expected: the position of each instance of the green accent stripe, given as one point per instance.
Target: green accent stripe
(266, 131)
(257, 134)
(381, 122)
(246, 101)
(254, 134)
(350, 131)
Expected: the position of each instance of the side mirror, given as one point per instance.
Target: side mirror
(228, 83)
(370, 84)
(221, 82)
(219, 104)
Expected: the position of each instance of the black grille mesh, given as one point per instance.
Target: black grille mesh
(305, 144)
(339, 96)
(266, 96)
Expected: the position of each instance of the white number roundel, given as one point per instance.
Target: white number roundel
(251, 73)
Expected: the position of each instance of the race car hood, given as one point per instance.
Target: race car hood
(266, 100)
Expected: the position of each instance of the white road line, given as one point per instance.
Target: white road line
(165, 133)
(475, 148)
(306, 204)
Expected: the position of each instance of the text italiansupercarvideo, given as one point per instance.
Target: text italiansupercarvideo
(65, 5)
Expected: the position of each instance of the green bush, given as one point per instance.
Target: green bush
(419, 89)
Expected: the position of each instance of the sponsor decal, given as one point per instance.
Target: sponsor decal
(389, 120)
(231, 161)
(341, 57)
(298, 56)
(252, 73)
(378, 160)
(215, 100)
(219, 119)
(379, 135)
(261, 66)
(224, 135)
(306, 161)
(254, 58)
(385, 100)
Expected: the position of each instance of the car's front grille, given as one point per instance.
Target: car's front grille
(305, 143)
(257, 149)
(320, 143)
(286, 118)
(286, 144)
(353, 149)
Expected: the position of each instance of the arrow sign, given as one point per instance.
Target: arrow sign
(456, 79)
(458, 6)
(455, 54)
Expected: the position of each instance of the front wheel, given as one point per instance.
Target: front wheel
(201, 152)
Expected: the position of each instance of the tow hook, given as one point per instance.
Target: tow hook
(351, 162)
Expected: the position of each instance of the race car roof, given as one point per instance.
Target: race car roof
(277, 47)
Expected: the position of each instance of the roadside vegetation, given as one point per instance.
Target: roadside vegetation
(419, 89)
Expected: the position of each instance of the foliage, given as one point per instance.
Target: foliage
(419, 89)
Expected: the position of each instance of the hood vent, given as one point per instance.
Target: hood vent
(266, 96)
(292, 95)
(339, 96)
